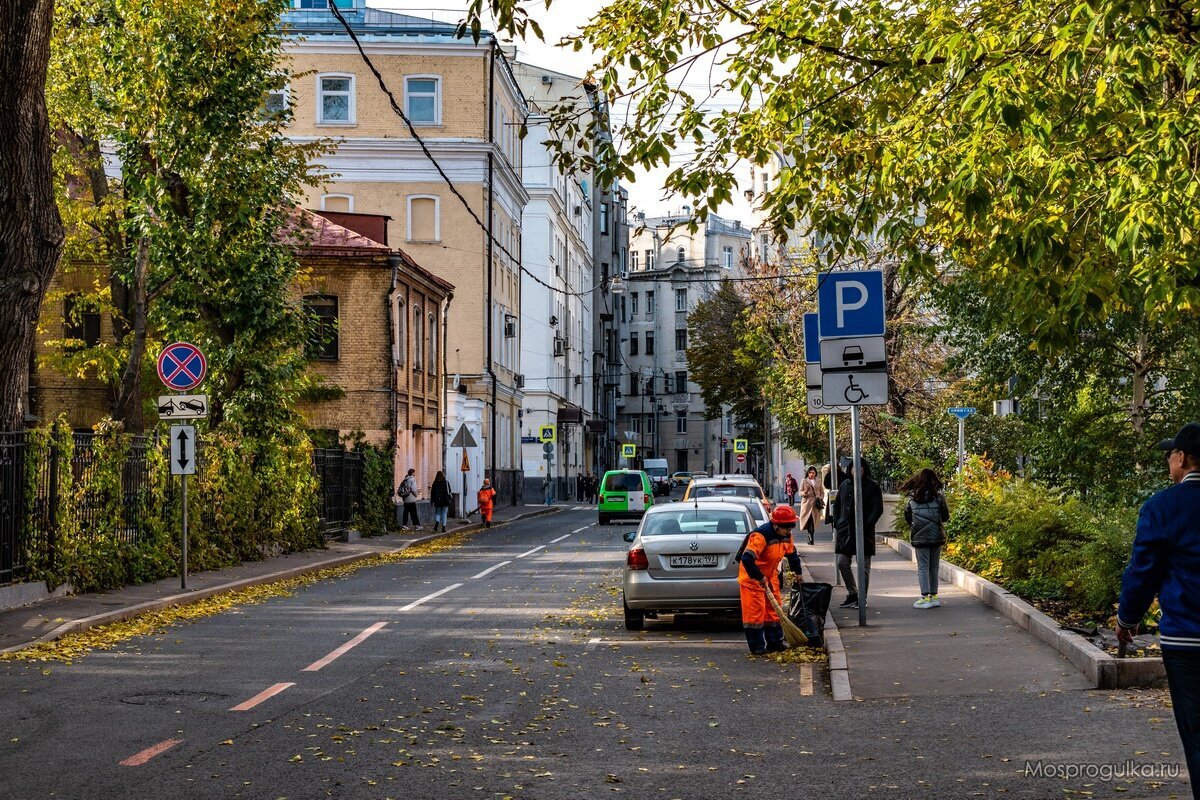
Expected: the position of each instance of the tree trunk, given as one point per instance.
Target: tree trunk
(31, 232)
(1141, 369)
(128, 405)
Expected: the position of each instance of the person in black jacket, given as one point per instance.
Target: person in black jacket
(440, 497)
(925, 514)
(844, 541)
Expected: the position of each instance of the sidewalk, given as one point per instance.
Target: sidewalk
(50, 619)
(963, 647)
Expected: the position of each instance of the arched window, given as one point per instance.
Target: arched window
(424, 224)
(338, 202)
(433, 344)
(680, 254)
(401, 333)
(418, 335)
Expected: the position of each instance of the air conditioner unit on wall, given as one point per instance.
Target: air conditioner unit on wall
(560, 346)
(519, 381)
(579, 380)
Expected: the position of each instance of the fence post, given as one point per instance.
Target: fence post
(52, 534)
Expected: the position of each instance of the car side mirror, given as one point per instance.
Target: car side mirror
(629, 536)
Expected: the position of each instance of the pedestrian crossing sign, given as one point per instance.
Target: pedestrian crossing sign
(546, 433)
(740, 446)
(629, 451)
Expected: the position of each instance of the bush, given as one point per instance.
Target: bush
(377, 513)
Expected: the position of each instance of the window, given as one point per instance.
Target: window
(422, 99)
(633, 304)
(681, 381)
(323, 336)
(633, 261)
(728, 255)
(335, 99)
(635, 382)
(649, 259)
(80, 323)
(323, 4)
(338, 202)
(433, 337)
(680, 339)
(681, 422)
(666, 383)
(621, 303)
(424, 224)
(275, 102)
(604, 218)
(649, 343)
(418, 337)
(401, 334)
(681, 300)
(649, 306)
(680, 255)
(633, 343)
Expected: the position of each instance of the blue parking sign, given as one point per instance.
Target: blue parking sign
(812, 339)
(850, 303)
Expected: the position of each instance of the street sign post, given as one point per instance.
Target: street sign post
(859, 353)
(629, 451)
(962, 412)
(812, 376)
(817, 407)
(850, 303)
(812, 339)
(463, 439)
(183, 463)
(183, 406)
(547, 433)
(855, 388)
(741, 458)
(181, 366)
(741, 446)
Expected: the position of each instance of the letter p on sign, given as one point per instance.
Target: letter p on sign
(844, 288)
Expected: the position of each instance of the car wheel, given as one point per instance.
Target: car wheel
(634, 620)
(603, 519)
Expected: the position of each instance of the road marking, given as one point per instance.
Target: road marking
(490, 570)
(428, 597)
(806, 680)
(345, 648)
(265, 694)
(531, 552)
(149, 753)
(564, 536)
(675, 642)
(584, 528)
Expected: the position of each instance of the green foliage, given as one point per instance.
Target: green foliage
(377, 514)
(251, 497)
(719, 360)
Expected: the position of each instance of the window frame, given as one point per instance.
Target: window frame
(680, 336)
(352, 106)
(437, 217)
(86, 318)
(633, 343)
(431, 321)
(349, 198)
(315, 350)
(437, 99)
(418, 337)
(681, 299)
(649, 343)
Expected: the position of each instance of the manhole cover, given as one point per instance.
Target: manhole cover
(171, 698)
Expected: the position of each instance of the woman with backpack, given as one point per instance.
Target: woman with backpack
(440, 497)
(926, 514)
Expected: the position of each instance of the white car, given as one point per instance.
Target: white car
(681, 559)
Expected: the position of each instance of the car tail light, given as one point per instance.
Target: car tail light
(646, 499)
(636, 559)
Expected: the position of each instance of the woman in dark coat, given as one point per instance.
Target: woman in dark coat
(440, 497)
(845, 544)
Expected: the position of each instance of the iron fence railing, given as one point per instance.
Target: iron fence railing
(339, 474)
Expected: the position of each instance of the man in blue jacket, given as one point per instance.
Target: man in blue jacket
(1166, 562)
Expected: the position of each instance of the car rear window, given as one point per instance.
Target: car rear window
(726, 490)
(697, 521)
(623, 482)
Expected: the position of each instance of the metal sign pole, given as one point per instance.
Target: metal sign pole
(833, 486)
(859, 537)
(183, 547)
(962, 442)
(463, 500)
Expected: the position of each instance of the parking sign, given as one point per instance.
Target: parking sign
(850, 303)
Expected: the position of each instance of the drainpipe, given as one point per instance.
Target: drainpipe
(394, 262)
(489, 311)
(445, 399)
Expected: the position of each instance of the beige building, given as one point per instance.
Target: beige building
(463, 223)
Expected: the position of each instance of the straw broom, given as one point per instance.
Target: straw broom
(791, 631)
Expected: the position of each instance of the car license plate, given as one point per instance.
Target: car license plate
(701, 560)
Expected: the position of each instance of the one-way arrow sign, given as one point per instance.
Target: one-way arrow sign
(183, 450)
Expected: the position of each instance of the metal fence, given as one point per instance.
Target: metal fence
(339, 475)
(30, 486)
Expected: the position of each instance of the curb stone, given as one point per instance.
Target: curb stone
(839, 667)
(186, 598)
(1101, 669)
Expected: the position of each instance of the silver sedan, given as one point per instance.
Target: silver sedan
(682, 559)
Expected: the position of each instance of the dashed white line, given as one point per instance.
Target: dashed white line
(564, 536)
(429, 597)
(490, 570)
(531, 552)
(345, 648)
(580, 530)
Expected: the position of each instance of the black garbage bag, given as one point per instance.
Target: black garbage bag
(807, 607)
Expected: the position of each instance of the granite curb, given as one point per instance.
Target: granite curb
(187, 597)
(1103, 670)
(839, 667)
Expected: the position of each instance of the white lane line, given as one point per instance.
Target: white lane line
(490, 570)
(428, 597)
(345, 648)
(531, 552)
(565, 536)
(584, 528)
(265, 694)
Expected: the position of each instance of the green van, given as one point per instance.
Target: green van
(624, 493)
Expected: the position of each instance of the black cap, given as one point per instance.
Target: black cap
(1187, 440)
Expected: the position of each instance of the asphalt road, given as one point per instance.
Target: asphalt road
(502, 669)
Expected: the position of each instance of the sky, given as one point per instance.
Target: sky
(563, 18)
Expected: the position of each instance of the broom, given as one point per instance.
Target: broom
(791, 631)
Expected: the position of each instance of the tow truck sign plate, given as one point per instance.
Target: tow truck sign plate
(183, 406)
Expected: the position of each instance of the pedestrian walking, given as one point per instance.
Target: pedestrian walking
(407, 492)
(1166, 562)
(487, 502)
(593, 487)
(579, 487)
(548, 490)
(845, 545)
(790, 490)
(440, 497)
(758, 573)
(812, 502)
(926, 514)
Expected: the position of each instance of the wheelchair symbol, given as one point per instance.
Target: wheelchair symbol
(854, 393)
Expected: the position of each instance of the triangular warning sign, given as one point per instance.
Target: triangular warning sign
(463, 438)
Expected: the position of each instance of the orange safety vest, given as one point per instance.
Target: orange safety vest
(756, 611)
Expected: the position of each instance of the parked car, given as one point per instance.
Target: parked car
(758, 511)
(681, 478)
(727, 486)
(682, 559)
(624, 494)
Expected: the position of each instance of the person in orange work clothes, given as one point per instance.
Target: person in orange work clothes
(487, 502)
(758, 574)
